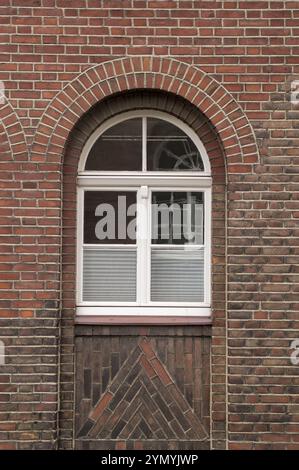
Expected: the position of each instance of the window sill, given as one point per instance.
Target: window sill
(143, 315)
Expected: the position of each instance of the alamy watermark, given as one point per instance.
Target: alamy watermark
(2, 93)
(295, 92)
(295, 352)
(168, 222)
(2, 353)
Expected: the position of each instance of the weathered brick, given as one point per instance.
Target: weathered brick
(249, 48)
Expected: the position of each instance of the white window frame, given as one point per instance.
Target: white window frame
(144, 182)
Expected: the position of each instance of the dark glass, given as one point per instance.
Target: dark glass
(106, 219)
(177, 218)
(169, 148)
(118, 149)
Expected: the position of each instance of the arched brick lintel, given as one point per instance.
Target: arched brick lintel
(106, 79)
(12, 137)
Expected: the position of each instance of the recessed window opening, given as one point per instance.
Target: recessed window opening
(144, 202)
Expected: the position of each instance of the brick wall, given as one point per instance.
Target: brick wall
(235, 61)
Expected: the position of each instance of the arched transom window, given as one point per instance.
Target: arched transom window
(144, 202)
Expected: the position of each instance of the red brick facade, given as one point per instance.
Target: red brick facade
(225, 68)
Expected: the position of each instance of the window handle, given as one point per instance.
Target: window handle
(144, 192)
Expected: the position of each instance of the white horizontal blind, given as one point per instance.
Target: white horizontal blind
(177, 275)
(109, 275)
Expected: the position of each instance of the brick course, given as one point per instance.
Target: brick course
(234, 61)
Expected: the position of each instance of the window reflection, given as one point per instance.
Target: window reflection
(169, 148)
(118, 149)
(177, 218)
(110, 217)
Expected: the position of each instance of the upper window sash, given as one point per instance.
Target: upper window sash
(146, 114)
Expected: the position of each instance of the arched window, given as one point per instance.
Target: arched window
(144, 202)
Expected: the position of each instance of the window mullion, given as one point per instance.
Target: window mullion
(144, 142)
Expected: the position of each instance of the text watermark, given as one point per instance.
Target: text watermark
(295, 92)
(2, 353)
(295, 352)
(168, 221)
(2, 92)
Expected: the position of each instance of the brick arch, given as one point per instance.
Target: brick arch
(184, 80)
(6, 153)
(13, 142)
(139, 100)
(14, 158)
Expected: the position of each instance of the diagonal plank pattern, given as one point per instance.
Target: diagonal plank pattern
(151, 407)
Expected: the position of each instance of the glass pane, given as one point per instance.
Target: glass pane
(177, 275)
(118, 149)
(109, 275)
(169, 148)
(110, 217)
(177, 218)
